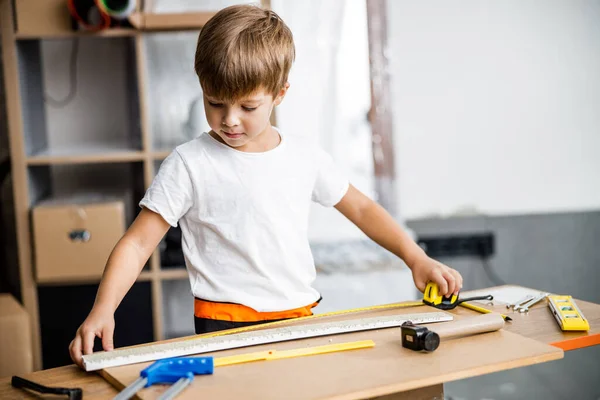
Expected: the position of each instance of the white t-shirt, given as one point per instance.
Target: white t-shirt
(244, 218)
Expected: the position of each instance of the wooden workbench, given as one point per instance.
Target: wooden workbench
(383, 374)
(539, 323)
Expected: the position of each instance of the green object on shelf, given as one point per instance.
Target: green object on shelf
(118, 8)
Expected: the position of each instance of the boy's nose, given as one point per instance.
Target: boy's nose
(230, 120)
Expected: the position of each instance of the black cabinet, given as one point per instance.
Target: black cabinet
(63, 308)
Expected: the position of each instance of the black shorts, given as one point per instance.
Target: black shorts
(205, 325)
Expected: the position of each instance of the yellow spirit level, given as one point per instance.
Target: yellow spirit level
(567, 314)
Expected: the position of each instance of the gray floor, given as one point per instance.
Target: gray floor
(574, 377)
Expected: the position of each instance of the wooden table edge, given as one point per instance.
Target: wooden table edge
(464, 374)
(580, 342)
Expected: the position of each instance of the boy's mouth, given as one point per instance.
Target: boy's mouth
(232, 135)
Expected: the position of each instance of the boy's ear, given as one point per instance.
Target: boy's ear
(281, 94)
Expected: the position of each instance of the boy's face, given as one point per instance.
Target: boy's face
(244, 124)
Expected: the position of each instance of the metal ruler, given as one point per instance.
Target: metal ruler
(206, 344)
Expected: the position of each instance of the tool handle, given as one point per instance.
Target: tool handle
(22, 383)
(170, 370)
(470, 326)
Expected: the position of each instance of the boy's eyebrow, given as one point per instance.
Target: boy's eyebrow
(257, 100)
(243, 100)
(213, 99)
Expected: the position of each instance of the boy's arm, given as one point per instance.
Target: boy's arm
(379, 225)
(129, 257)
(122, 269)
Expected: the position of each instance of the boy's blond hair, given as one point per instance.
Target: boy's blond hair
(241, 49)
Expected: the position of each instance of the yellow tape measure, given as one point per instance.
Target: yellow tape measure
(567, 314)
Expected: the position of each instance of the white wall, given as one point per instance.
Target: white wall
(98, 113)
(496, 105)
(329, 96)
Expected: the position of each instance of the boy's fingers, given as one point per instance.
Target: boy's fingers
(107, 339)
(75, 350)
(441, 281)
(451, 282)
(88, 342)
(420, 285)
(459, 281)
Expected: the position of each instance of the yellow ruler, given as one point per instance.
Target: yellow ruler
(300, 352)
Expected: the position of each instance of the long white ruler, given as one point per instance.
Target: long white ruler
(184, 347)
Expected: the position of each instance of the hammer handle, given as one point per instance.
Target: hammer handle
(470, 326)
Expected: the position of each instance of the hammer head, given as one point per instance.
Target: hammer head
(419, 338)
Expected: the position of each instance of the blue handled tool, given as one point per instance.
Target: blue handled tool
(177, 370)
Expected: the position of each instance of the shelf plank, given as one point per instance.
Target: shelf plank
(173, 273)
(160, 154)
(14, 112)
(176, 21)
(145, 276)
(147, 22)
(112, 32)
(60, 281)
(86, 154)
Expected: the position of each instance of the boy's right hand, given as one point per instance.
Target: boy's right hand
(98, 323)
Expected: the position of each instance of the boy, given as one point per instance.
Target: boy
(241, 194)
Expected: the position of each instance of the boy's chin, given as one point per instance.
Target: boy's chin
(241, 142)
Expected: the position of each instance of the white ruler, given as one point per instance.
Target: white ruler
(184, 347)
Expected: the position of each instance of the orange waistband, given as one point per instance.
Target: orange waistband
(240, 313)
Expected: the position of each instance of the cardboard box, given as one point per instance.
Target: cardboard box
(74, 238)
(50, 18)
(47, 17)
(16, 354)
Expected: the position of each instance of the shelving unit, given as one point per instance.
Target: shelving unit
(104, 155)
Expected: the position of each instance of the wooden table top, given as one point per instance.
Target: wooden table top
(538, 324)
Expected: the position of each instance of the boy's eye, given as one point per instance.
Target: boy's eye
(215, 104)
(249, 108)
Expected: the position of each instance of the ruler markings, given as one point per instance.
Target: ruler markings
(100, 360)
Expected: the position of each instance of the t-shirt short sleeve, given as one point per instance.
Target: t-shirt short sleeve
(331, 184)
(171, 191)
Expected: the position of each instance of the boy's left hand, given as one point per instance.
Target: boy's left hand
(425, 269)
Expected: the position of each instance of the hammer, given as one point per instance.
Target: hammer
(420, 338)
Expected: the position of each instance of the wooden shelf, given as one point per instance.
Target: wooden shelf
(160, 154)
(24, 24)
(178, 21)
(147, 22)
(113, 32)
(86, 155)
(173, 273)
(143, 277)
